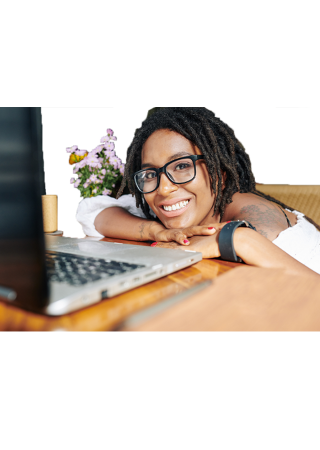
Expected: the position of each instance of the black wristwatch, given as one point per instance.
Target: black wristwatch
(226, 239)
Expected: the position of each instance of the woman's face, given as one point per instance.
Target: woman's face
(164, 146)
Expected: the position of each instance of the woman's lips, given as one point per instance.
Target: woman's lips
(175, 213)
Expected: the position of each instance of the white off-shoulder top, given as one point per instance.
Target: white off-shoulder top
(301, 241)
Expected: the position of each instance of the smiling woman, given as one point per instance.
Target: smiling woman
(189, 176)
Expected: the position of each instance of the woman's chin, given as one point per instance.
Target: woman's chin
(175, 222)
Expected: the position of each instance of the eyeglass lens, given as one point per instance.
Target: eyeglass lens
(180, 171)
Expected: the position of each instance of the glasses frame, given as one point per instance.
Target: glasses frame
(163, 169)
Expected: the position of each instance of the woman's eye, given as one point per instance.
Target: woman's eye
(150, 175)
(182, 166)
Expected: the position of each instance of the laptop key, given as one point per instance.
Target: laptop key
(78, 270)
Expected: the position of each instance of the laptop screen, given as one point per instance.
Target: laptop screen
(22, 268)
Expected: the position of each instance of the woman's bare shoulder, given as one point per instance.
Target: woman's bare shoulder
(265, 216)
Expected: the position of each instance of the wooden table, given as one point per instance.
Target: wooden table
(108, 313)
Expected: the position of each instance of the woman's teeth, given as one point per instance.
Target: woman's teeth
(176, 206)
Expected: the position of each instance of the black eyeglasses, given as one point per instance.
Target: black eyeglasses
(178, 171)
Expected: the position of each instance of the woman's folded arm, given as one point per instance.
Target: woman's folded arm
(256, 250)
(116, 222)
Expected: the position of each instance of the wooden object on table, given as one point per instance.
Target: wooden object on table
(244, 299)
(106, 314)
(50, 213)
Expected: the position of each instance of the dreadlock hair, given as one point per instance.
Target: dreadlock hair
(222, 152)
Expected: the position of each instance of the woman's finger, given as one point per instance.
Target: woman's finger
(203, 230)
(180, 237)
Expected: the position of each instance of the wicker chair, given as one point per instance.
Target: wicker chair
(305, 199)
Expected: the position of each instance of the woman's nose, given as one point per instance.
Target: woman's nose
(166, 186)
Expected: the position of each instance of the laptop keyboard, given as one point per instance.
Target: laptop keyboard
(78, 270)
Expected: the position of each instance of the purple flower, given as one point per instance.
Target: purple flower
(106, 192)
(92, 161)
(109, 146)
(98, 149)
(85, 185)
(94, 191)
(109, 153)
(72, 149)
(80, 152)
(76, 184)
(122, 169)
(82, 163)
(88, 181)
(109, 132)
(93, 178)
(103, 171)
(76, 168)
(113, 185)
(114, 160)
(72, 180)
(105, 139)
(113, 138)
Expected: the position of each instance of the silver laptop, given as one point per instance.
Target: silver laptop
(58, 275)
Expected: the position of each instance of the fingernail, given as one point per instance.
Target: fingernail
(186, 241)
(154, 244)
(228, 221)
(211, 228)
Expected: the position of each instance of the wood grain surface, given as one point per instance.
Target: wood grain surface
(244, 299)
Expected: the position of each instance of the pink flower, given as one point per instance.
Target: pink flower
(94, 191)
(76, 184)
(85, 185)
(105, 139)
(80, 152)
(113, 138)
(103, 171)
(76, 168)
(109, 132)
(82, 163)
(72, 180)
(92, 161)
(114, 160)
(106, 192)
(109, 153)
(72, 149)
(122, 169)
(109, 146)
(98, 149)
(93, 178)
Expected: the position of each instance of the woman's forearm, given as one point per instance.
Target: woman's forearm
(258, 251)
(118, 223)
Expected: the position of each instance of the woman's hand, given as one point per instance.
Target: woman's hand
(207, 243)
(182, 235)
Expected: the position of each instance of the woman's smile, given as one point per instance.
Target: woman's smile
(175, 207)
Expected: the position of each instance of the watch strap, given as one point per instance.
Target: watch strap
(225, 240)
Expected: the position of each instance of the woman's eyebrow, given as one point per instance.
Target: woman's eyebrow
(175, 156)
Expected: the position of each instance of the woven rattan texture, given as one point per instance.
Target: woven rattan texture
(305, 199)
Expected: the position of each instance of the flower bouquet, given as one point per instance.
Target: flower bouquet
(100, 171)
